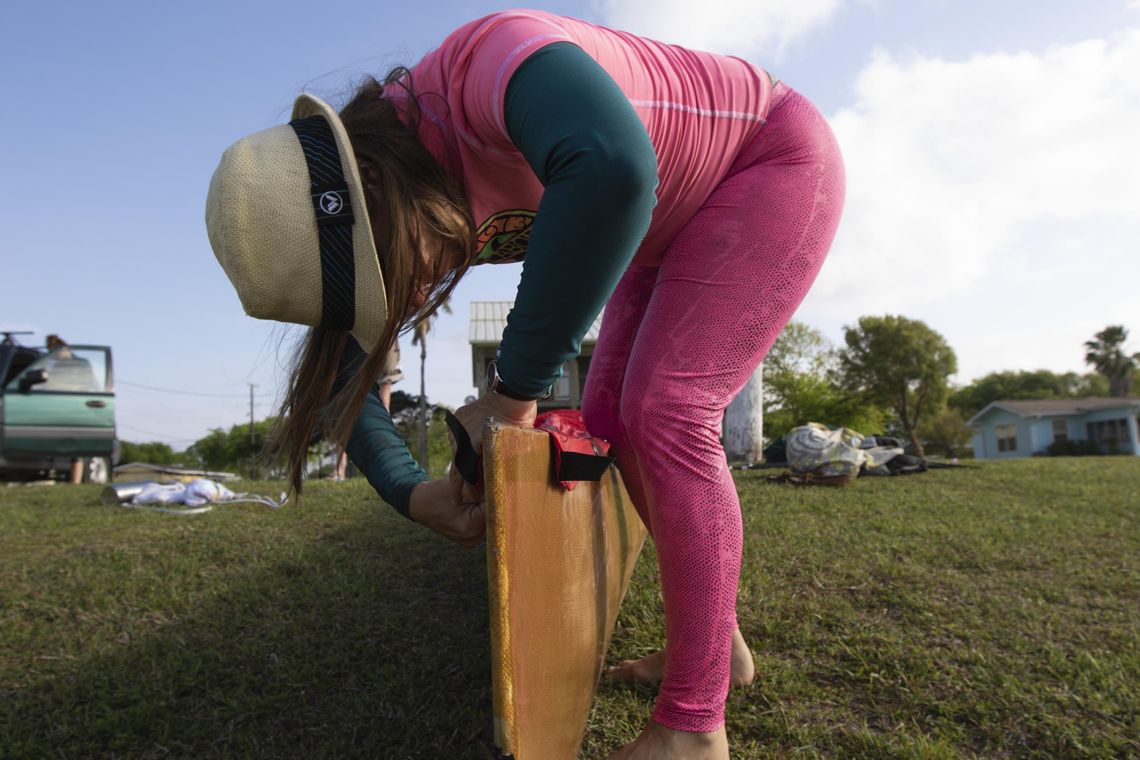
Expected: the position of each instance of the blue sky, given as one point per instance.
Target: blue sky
(993, 186)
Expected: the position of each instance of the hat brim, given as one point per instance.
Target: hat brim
(371, 317)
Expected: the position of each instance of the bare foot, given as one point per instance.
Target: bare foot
(651, 669)
(657, 742)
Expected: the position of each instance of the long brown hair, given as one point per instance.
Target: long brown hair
(412, 203)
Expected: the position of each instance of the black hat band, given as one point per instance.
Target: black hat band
(333, 210)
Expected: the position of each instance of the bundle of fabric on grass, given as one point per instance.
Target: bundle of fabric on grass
(818, 455)
(193, 498)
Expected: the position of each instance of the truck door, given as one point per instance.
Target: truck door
(63, 404)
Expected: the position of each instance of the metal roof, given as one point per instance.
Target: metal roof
(1067, 405)
(488, 318)
(1057, 406)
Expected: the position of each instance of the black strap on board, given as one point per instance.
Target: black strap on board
(571, 465)
(465, 457)
(574, 466)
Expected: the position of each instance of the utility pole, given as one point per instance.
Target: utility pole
(252, 438)
(424, 420)
(744, 422)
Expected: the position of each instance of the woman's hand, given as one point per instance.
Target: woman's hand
(474, 417)
(432, 506)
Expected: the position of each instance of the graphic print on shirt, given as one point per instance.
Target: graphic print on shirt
(503, 237)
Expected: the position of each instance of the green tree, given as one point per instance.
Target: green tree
(1022, 385)
(402, 400)
(151, 453)
(800, 386)
(901, 364)
(1097, 385)
(234, 449)
(419, 337)
(438, 446)
(211, 451)
(947, 432)
(1106, 353)
(801, 398)
(800, 350)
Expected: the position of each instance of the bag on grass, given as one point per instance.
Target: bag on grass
(818, 455)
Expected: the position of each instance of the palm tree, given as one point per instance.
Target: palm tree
(1106, 353)
(419, 337)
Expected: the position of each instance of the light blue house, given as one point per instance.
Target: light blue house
(1009, 429)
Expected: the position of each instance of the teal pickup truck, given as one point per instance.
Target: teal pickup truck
(57, 406)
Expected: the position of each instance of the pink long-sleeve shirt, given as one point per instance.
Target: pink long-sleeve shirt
(699, 109)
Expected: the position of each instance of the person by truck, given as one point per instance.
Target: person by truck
(57, 410)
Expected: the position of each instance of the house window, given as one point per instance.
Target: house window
(561, 389)
(583, 370)
(1108, 432)
(1007, 437)
(1060, 430)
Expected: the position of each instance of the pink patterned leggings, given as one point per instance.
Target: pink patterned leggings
(677, 343)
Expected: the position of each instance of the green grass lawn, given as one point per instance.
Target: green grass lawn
(991, 612)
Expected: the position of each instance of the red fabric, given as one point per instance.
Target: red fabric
(568, 433)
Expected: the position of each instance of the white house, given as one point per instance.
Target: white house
(488, 320)
(1010, 429)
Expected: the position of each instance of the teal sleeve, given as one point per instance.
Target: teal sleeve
(590, 150)
(375, 446)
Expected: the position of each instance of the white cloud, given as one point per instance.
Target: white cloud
(998, 195)
(722, 26)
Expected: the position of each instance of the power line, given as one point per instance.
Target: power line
(187, 393)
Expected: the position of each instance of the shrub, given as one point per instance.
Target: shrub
(1071, 448)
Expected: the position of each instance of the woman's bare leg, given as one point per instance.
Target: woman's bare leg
(658, 742)
(651, 668)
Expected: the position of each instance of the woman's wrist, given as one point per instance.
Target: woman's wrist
(418, 502)
(433, 507)
(516, 411)
(496, 383)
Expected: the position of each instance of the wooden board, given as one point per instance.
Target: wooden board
(559, 563)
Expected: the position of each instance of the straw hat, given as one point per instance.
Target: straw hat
(287, 222)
